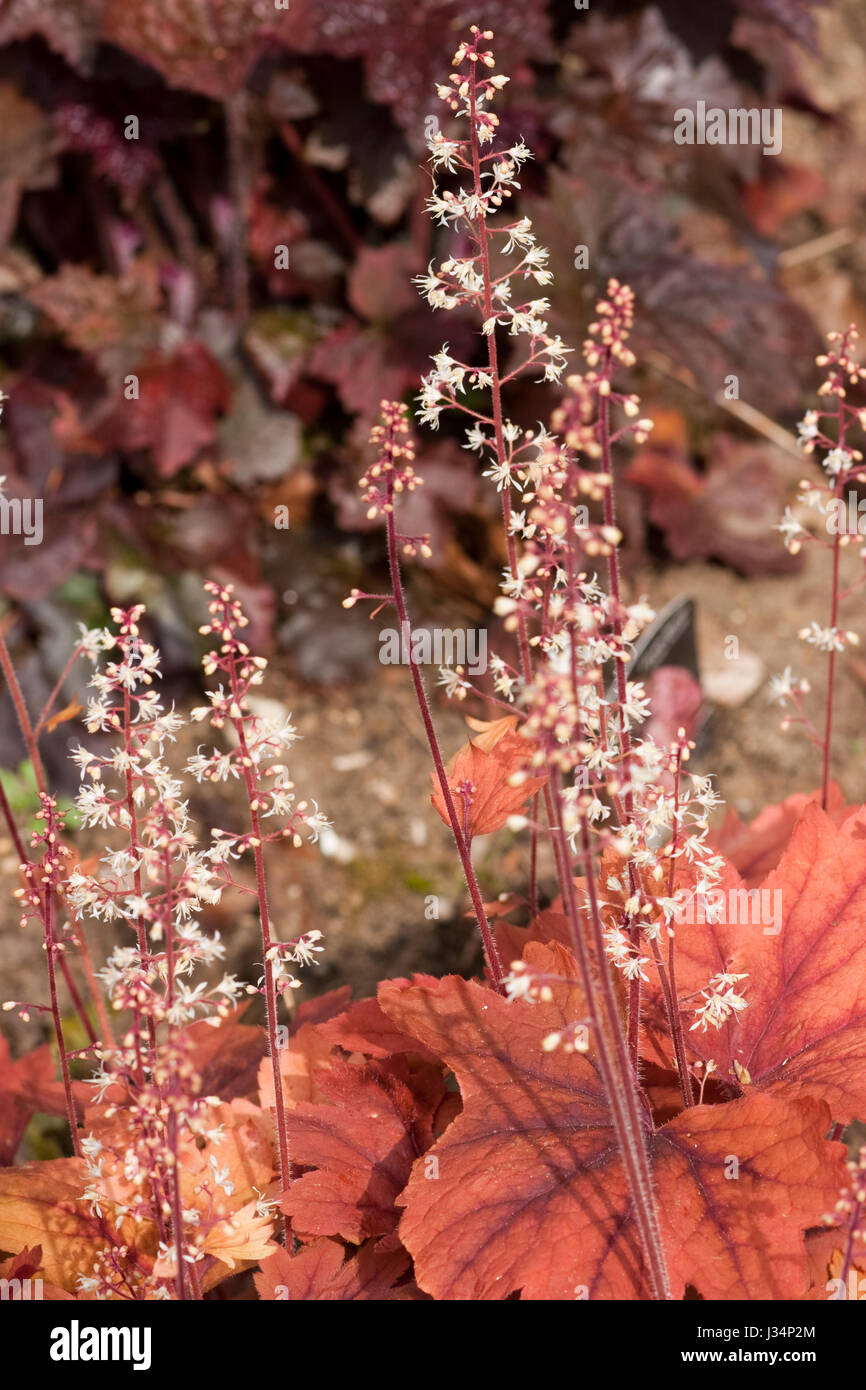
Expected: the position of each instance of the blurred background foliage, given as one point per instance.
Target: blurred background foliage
(257, 128)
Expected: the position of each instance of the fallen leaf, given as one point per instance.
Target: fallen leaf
(726, 513)
(176, 410)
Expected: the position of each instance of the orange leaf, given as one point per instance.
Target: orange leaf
(308, 1052)
(826, 1261)
(27, 1086)
(27, 1264)
(227, 1057)
(242, 1237)
(487, 763)
(531, 1194)
(755, 849)
(320, 1273)
(804, 1029)
(70, 711)
(365, 1028)
(361, 1146)
(40, 1204)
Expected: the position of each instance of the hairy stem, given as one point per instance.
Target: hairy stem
(286, 1169)
(491, 952)
(616, 1073)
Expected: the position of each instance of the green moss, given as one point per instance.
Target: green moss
(22, 794)
(418, 883)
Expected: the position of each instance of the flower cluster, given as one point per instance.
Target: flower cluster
(157, 1148)
(256, 756)
(850, 1216)
(491, 178)
(829, 514)
(577, 708)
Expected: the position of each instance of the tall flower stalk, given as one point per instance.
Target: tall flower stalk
(391, 474)
(830, 499)
(610, 796)
(256, 761)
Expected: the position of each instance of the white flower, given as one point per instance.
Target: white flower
(807, 430)
(500, 472)
(455, 686)
(316, 823)
(783, 686)
(837, 461)
(826, 639)
(444, 154)
(520, 236)
(792, 532)
(306, 949)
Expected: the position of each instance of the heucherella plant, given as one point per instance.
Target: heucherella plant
(161, 1155)
(256, 759)
(627, 822)
(834, 501)
(642, 1094)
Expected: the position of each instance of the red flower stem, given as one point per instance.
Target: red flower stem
(669, 980)
(848, 1255)
(831, 679)
(841, 432)
(331, 205)
(22, 716)
(609, 503)
(175, 1199)
(12, 827)
(107, 1036)
(135, 847)
(481, 235)
(51, 946)
(176, 1212)
(286, 1169)
(31, 741)
(494, 964)
(533, 861)
(77, 1001)
(181, 228)
(619, 1082)
(23, 859)
(49, 703)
